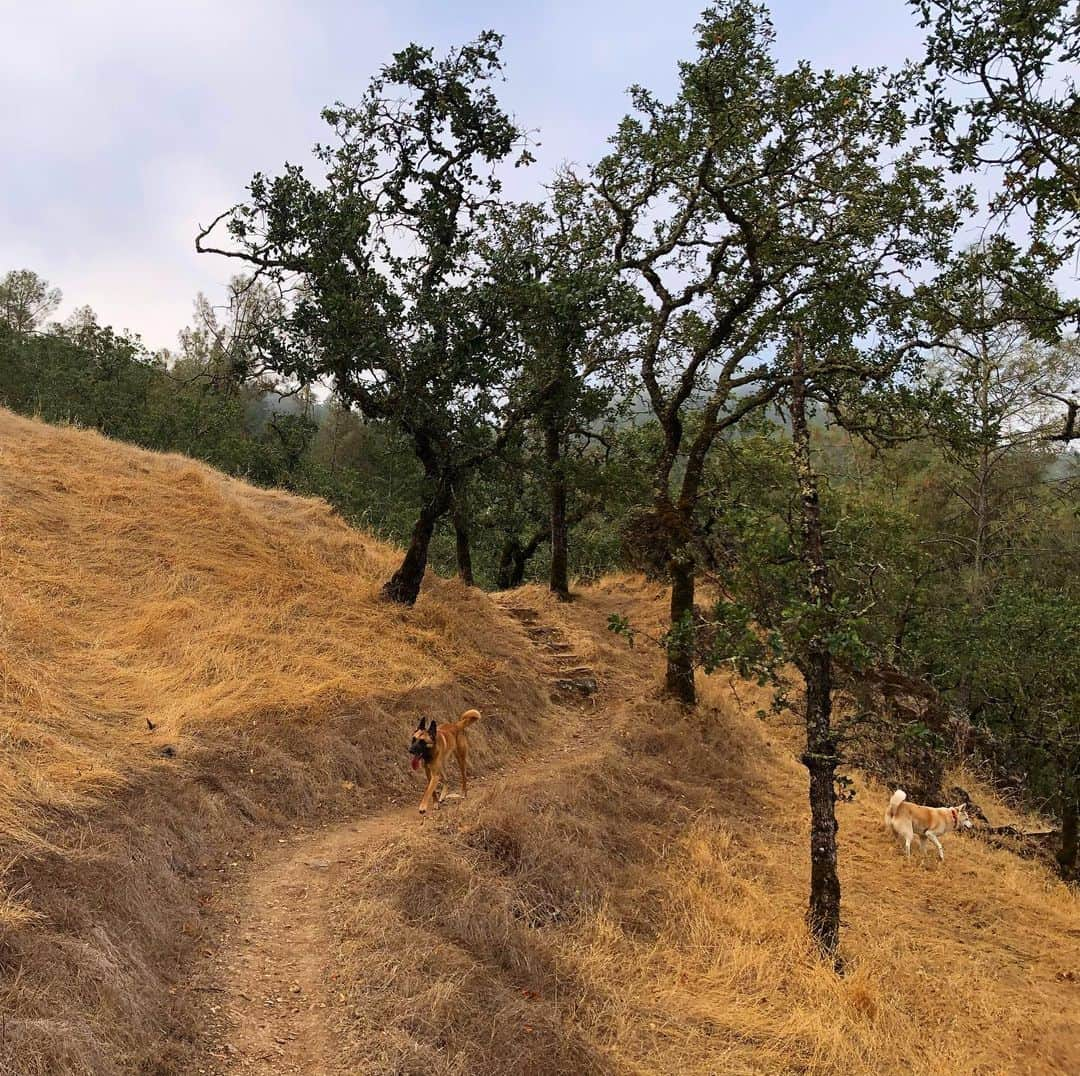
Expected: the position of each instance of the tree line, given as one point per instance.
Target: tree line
(751, 350)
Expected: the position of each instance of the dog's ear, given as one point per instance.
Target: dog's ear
(422, 720)
(432, 729)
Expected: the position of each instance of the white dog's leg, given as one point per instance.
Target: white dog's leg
(937, 844)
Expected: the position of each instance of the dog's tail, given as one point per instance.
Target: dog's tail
(898, 797)
(468, 718)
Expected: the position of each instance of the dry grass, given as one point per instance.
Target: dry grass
(137, 586)
(245, 624)
(635, 909)
(642, 913)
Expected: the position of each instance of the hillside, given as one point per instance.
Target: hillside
(245, 625)
(246, 887)
(639, 910)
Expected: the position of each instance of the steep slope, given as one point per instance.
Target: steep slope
(245, 625)
(623, 893)
(639, 909)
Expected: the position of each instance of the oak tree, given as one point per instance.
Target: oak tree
(389, 302)
(739, 207)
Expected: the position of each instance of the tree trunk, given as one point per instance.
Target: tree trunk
(820, 759)
(525, 555)
(514, 558)
(507, 555)
(558, 581)
(1067, 853)
(404, 584)
(680, 650)
(517, 568)
(461, 536)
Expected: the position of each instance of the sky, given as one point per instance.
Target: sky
(126, 125)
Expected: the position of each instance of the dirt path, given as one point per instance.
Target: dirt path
(275, 965)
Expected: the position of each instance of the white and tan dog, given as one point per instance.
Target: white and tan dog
(910, 820)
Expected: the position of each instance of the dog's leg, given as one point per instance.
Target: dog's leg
(937, 844)
(432, 785)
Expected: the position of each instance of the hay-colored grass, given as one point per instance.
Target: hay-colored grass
(634, 910)
(135, 587)
(246, 625)
(644, 914)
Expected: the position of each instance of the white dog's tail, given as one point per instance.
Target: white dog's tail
(898, 797)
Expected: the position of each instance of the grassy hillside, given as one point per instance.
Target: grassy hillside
(639, 910)
(245, 625)
(623, 894)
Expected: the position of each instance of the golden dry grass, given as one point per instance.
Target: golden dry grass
(246, 625)
(635, 910)
(135, 586)
(643, 914)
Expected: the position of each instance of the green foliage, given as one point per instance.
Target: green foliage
(767, 619)
(735, 639)
(394, 309)
(96, 378)
(755, 204)
(26, 301)
(620, 625)
(1001, 91)
(1010, 660)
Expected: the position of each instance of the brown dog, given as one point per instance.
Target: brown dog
(432, 745)
(910, 820)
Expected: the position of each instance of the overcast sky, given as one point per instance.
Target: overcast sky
(125, 125)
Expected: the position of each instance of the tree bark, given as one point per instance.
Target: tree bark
(1067, 853)
(558, 580)
(404, 585)
(461, 537)
(517, 571)
(526, 554)
(513, 559)
(507, 555)
(820, 758)
(680, 650)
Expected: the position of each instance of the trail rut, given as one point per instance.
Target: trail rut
(275, 966)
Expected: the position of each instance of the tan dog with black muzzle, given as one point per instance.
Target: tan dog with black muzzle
(432, 744)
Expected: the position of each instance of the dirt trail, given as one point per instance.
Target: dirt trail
(275, 966)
